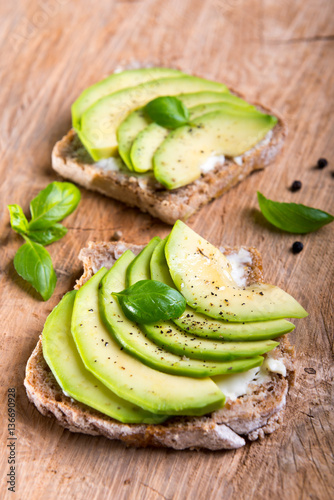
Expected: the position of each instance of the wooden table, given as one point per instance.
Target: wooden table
(280, 53)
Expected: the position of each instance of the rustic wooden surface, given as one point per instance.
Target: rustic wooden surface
(280, 53)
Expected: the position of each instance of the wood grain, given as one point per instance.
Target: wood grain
(280, 53)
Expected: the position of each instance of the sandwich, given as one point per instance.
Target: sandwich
(176, 344)
(202, 139)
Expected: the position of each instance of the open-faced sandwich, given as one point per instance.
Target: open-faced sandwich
(164, 141)
(176, 344)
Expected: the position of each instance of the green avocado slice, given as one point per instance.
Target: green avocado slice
(197, 98)
(145, 145)
(100, 122)
(131, 337)
(202, 274)
(226, 107)
(125, 375)
(203, 326)
(60, 353)
(169, 337)
(115, 83)
(177, 161)
(128, 130)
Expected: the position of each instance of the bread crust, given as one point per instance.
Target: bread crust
(71, 161)
(249, 417)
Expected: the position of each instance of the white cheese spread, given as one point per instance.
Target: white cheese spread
(239, 261)
(112, 164)
(211, 162)
(238, 384)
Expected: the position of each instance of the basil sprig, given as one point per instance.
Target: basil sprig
(293, 217)
(32, 261)
(168, 111)
(148, 301)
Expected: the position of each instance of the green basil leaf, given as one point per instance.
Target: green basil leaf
(18, 220)
(293, 217)
(49, 235)
(169, 112)
(53, 204)
(148, 301)
(33, 263)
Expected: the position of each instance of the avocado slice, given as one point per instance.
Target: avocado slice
(128, 130)
(145, 145)
(202, 274)
(100, 122)
(202, 326)
(169, 337)
(177, 161)
(60, 353)
(197, 98)
(114, 83)
(139, 268)
(225, 107)
(125, 375)
(132, 339)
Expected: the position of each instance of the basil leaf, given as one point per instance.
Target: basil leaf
(18, 220)
(293, 217)
(49, 235)
(169, 112)
(148, 301)
(33, 263)
(53, 204)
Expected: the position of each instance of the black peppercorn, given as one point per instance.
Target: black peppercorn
(322, 163)
(296, 186)
(297, 247)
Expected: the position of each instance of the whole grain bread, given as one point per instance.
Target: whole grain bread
(248, 417)
(71, 161)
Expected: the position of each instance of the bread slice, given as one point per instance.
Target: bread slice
(248, 417)
(70, 160)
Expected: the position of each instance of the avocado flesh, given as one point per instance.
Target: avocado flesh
(169, 337)
(197, 98)
(202, 274)
(145, 145)
(177, 161)
(133, 340)
(60, 353)
(125, 375)
(203, 109)
(150, 138)
(202, 326)
(128, 131)
(115, 83)
(139, 268)
(100, 122)
(137, 142)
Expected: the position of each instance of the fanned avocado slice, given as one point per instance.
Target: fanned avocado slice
(128, 131)
(202, 274)
(177, 161)
(169, 337)
(131, 337)
(60, 353)
(145, 145)
(226, 107)
(203, 326)
(100, 122)
(125, 375)
(115, 83)
(197, 98)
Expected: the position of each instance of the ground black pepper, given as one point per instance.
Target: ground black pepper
(322, 163)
